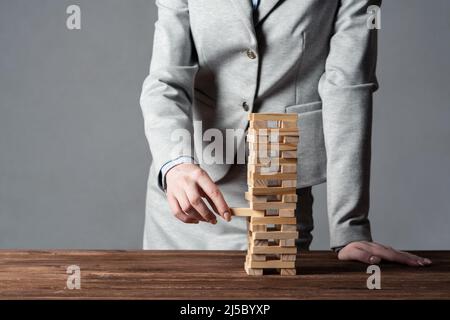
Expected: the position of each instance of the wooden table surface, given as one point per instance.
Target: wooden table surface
(209, 275)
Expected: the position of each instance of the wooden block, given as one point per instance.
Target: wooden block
(252, 271)
(272, 264)
(266, 154)
(272, 250)
(273, 138)
(288, 272)
(272, 220)
(264, 168)
(273, 117)
(288, 257)
(289, 154)
(263, 191)
(276, 235)
(257, 227)
(289, 198)
(257, 242)
(288, 139)
(289, 184)
(257, 183)
(287, 243)
(288, 227)
(265, 124)
(273, 176)
(262, 147)
(289, 168)
(288, 124)
(272, 205)
(260, 257)
(286, 213)
(259, 124)
(246, 212)
(292, 132)
(254, 159)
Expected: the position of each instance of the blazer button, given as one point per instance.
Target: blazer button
(245, 106)
(251, 54)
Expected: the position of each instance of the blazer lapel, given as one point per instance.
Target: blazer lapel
(265, 7)
(245, 10)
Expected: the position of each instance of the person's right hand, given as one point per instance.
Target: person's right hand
(187, 185)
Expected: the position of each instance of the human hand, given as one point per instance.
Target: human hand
(187, 186)
(374, 253)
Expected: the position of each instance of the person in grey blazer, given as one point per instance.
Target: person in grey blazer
(215, 61)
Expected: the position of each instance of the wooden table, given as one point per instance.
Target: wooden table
(209, 275)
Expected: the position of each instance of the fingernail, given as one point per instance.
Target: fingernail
(374, 260)
(213, 221)
(227, 216)
(422, 264)
(427, 261)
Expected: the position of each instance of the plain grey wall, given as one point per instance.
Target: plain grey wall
(73, 156)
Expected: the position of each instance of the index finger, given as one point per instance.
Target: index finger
(213, 193)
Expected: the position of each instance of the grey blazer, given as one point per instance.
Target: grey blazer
(215, 61)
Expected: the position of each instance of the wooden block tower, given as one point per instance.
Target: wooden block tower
(272, 182)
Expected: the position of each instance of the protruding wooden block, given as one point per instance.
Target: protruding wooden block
(246, 212)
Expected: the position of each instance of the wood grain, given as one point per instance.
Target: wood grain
(209, 275)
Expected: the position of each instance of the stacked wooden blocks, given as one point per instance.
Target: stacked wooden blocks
(272, 182)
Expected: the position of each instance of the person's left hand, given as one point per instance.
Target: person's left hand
(374, 253)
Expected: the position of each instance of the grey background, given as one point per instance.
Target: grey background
(73, 156)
